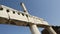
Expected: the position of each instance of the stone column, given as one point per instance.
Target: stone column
(34, 29)
(51, 31)
(24, 8)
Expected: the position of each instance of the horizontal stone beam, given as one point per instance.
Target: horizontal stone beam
(12, 16)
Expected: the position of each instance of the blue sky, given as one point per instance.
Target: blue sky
(47, 9)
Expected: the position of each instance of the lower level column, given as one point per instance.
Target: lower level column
(34, 29)
(51, 31)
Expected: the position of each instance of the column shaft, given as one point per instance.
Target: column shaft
(51, 31)
(34, 29)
